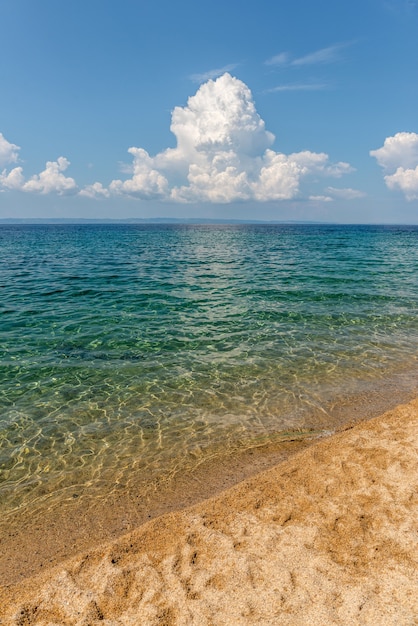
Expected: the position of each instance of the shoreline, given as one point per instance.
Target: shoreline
(48, 534)
(326, 536)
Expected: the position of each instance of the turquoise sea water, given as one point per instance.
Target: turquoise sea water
(130, 352)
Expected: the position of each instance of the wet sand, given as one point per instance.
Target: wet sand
(328, 536)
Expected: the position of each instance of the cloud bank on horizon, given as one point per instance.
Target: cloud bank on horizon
(223, 154)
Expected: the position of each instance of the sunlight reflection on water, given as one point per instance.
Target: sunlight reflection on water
(130, 352)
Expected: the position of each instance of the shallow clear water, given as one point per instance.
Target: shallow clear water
(129, 352)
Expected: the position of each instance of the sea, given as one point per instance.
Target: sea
(136, 352)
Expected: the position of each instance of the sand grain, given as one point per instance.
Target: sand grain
(327, 537)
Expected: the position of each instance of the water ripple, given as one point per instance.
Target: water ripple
(131, 350)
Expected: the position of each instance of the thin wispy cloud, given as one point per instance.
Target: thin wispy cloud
(346, 193)
(321, 198)
(298, 87)
(212, 74)
(401, 6)
(279, 59)
(338, 193)
(323, 56)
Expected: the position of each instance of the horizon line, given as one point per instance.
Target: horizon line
(184, 220)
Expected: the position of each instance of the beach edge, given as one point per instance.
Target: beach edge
(326, 536)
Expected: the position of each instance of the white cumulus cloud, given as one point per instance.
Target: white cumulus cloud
(9, 152)
(399, 159)
(13, 179)
(223, 154)
(146, 182)
(405, 180)
(401, 150)
(96, 190)
(50, 180)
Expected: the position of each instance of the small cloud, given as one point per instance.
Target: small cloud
(125, 168)
(399, 159)
(401, 150)
(345, 193)
(9, 152)
(94, 191)
(405, 180)
(401, 6)
(146, 182)
(331, 54)
(324, 55)
(50, 180)
(279, 59)
(212, 74)
(321, 198)
(298, 87)
(13, 180)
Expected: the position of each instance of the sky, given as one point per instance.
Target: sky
(272, 110)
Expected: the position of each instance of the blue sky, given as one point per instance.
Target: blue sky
(268, 110)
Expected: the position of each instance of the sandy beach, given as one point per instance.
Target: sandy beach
(328, 536)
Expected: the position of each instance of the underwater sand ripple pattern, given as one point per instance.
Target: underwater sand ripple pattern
(134, 351)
